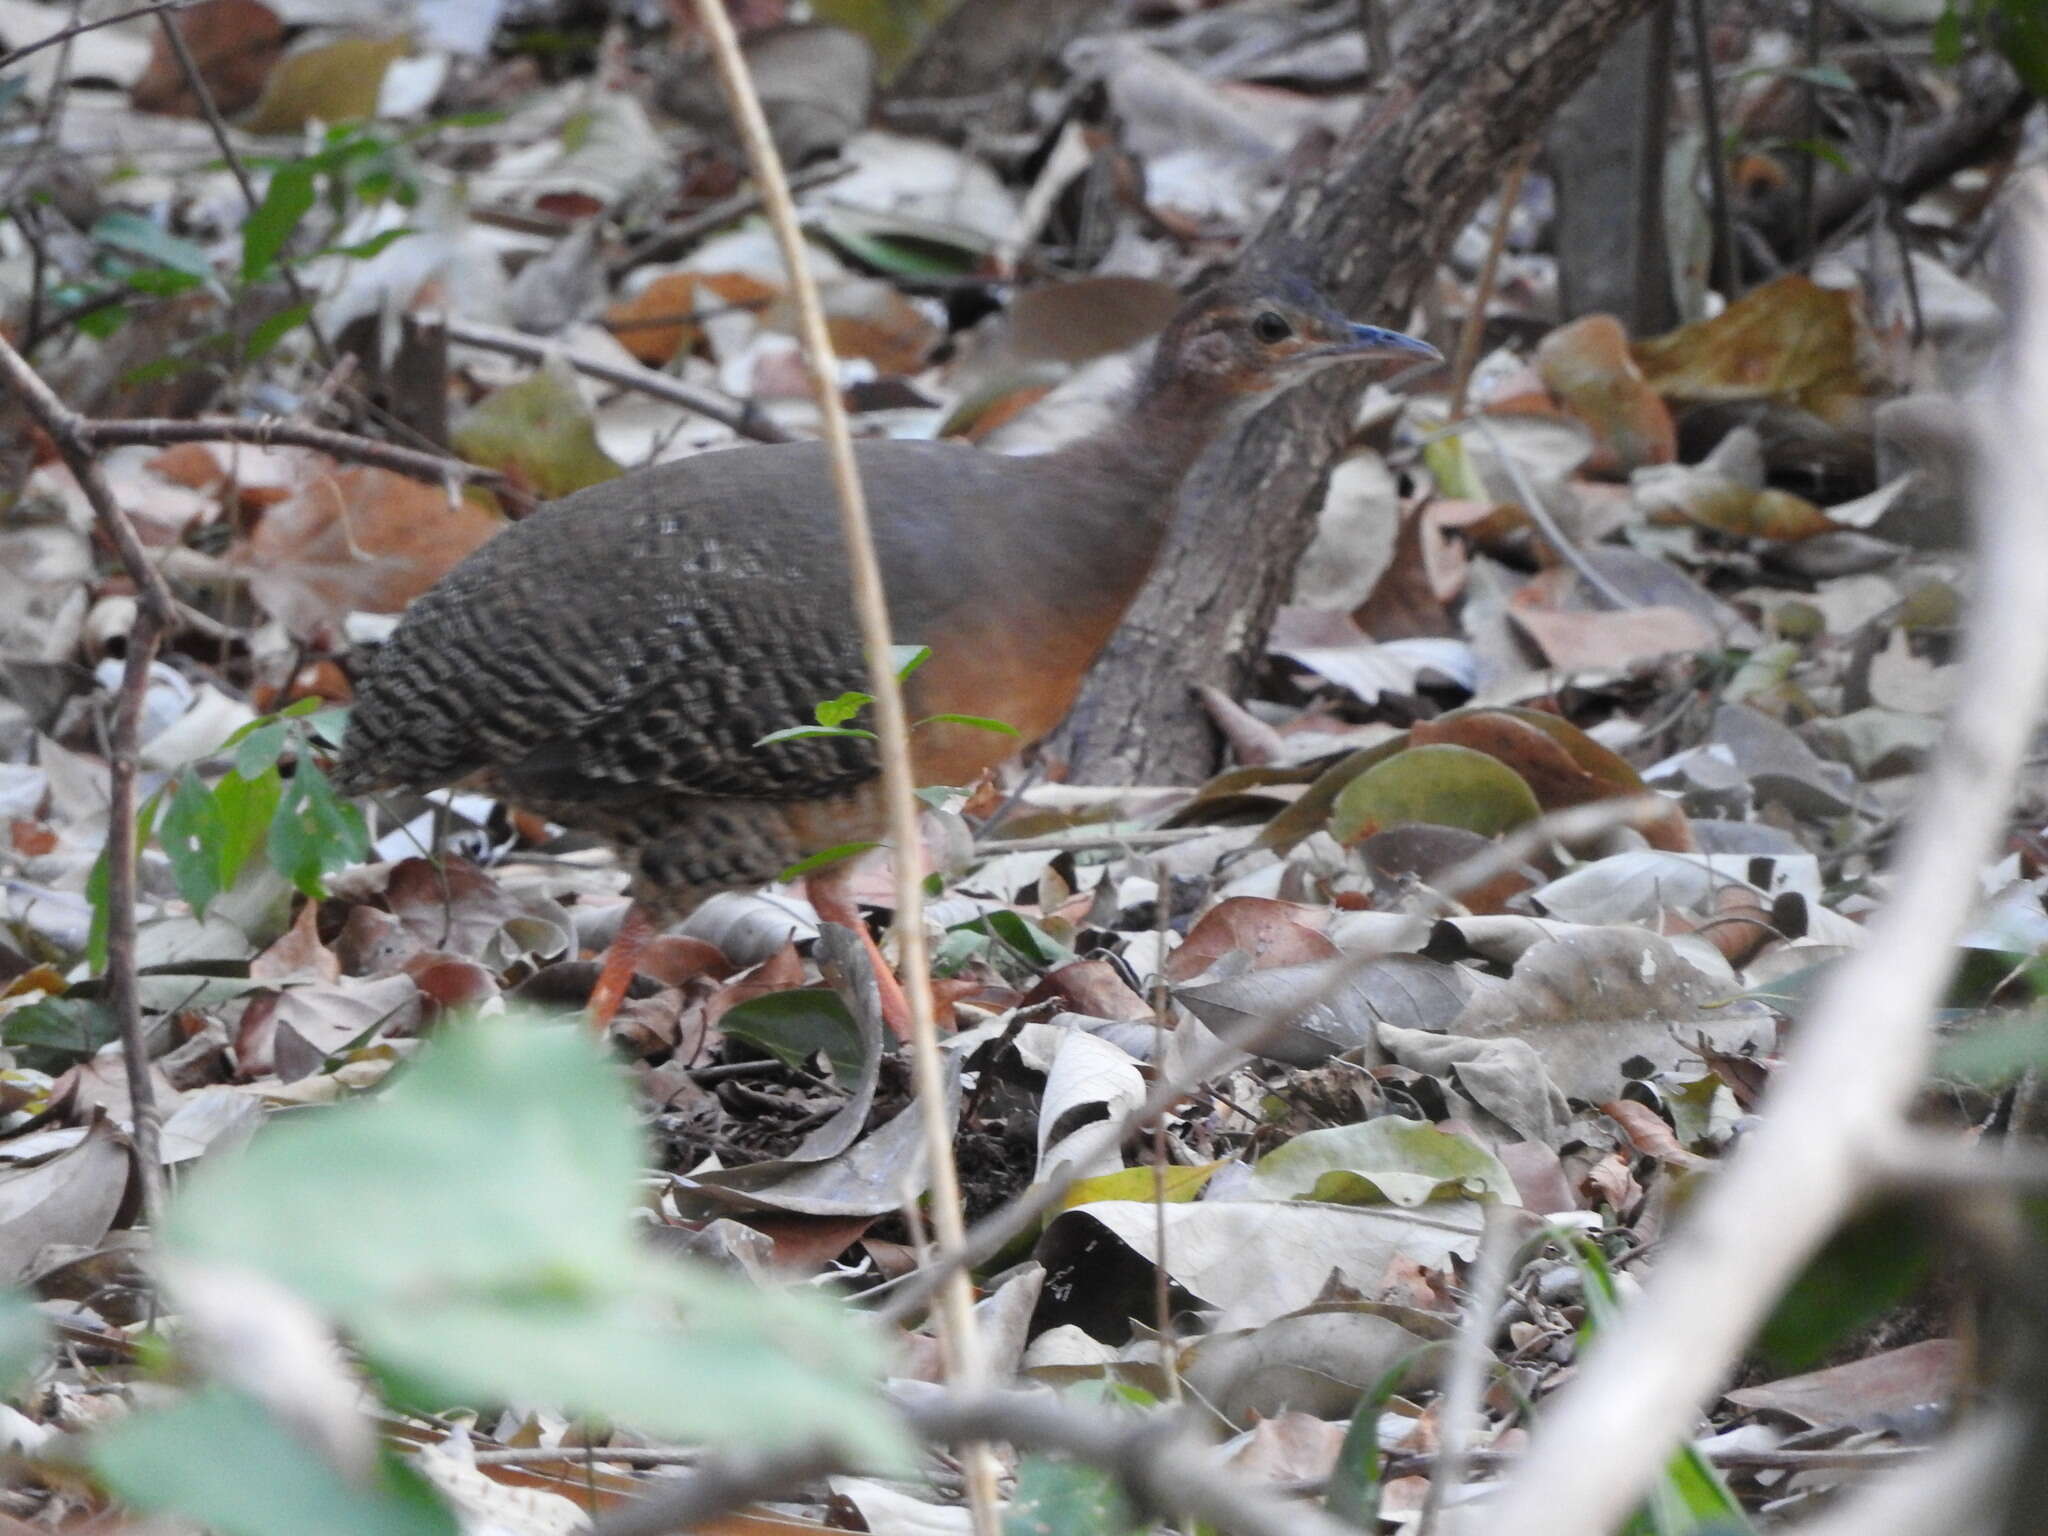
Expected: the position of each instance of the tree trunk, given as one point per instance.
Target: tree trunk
(1611, 252)
(1473, 83)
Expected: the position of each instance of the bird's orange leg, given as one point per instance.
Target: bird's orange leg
(620, 962)
(828, 894)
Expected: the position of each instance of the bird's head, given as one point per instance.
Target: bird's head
(1249, 336)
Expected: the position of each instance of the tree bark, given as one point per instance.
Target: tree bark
(1473, 83)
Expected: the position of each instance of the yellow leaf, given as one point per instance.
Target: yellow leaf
(335, 82)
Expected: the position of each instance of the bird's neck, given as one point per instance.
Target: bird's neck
(1133, 467)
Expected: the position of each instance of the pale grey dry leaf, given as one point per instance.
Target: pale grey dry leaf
(1879, 743)
(1867, 1392)
(1090, 1086)
(1780, 766)
(1404, 990)
(1503, 1078)
(71, 1200)
(1624, 887)
(314, 1023)
(748, 927)
(1003, 1319)
(1607, 1004)
(1314, 1361)
(1256, 1260)
(876, 1174)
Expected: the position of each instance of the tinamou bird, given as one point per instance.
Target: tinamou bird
(613, 661)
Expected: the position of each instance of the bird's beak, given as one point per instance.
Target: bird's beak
(1372, 341)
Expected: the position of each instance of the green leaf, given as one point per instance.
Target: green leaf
(906, 659)
(842, 709)
(1354, 1494)
(797, 1024)
(1405, 1162)
(191, 835)
(1021, 935)
(258, 745)
(329, 723)
(540, 430)
(24, 1339)
(272, 222)
(160, 282)
(245, 809)
(802, 732)
(1870, 1265)
(978, 722)
(1067, 1498)
(363, 250)
(474, 1231)
(314, 832)
(269, 333)
(1438, 785)
(57, 1032)
(97, 883)
(138, 236)
(224, 1460)
(831, 855)
(1948, 37)
(102, 323)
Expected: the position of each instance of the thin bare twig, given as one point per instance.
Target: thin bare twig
(1809, 131)
(743, 416)
(1471, 1354)
(1862, 1047)
(158, 432)
(671, 240)
(1482, 290)
(959, 1335)
(202, 93)
(1082, 838)
(1546, 524)
(65, 34)
(156, 617)
(1717, 163)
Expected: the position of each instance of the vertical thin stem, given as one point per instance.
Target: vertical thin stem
(1162, 1003)
(1650, 283)
(123, 761)
(210, 110)
(1482, 290)
(1809, 130)
(968, 1368)
(1471, 1354)
(1717, 158)
(156, 616)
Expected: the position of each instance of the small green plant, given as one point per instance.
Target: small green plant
(356, 166)
(831, 715)
(211, 834)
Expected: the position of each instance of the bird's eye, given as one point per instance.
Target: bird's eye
(1270, 326)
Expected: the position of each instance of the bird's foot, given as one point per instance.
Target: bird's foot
(621, 961)
(834, 904)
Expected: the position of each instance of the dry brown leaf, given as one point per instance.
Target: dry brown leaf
(1272, 933)
(1588, 366)
(1789, 340)
(235, 43)
(354, 538)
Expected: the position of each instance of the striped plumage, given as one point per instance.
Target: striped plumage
(611, 661)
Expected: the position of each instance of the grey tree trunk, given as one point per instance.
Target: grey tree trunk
(1473, 83)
